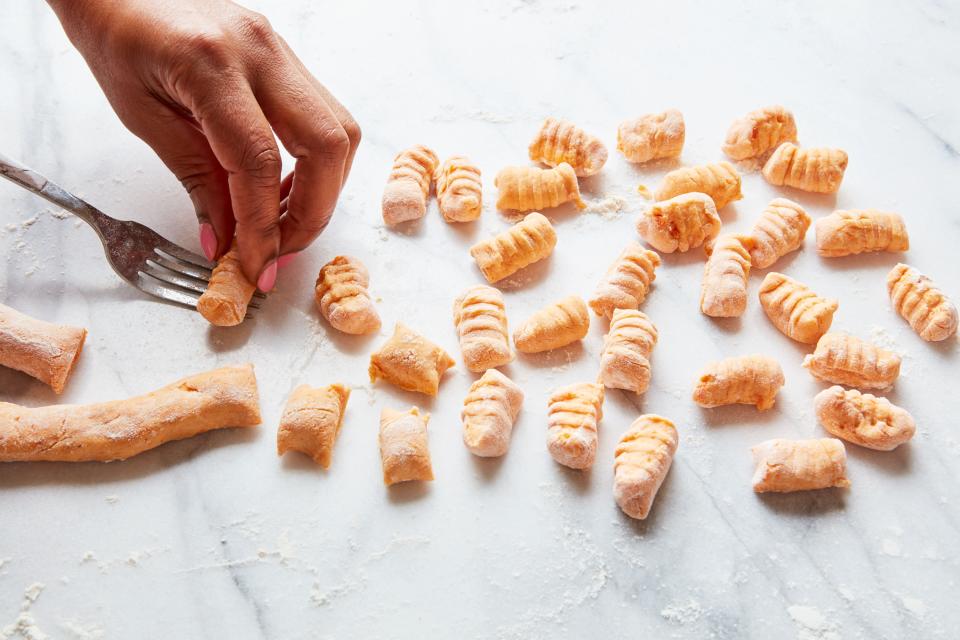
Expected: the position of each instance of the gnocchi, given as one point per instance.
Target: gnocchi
(625, 359)
(410, 361)
(819, 169)
(559, 141)
(921, 303)
(557, 325)
(753, 379)
(489, 412)
(573, 414)
(311, 421)
(627, 282)
(723, 293)
(680, 223)
(718, 180)
(641, 462)
(844, 359)
(404, 450)
(459, 190)
(529, 188)
(783, 466)
(225, 301)
(845, 233)
(779, 230)
(530, 240)
(408, 186)
(760, 131)
(481, 322)
(652, 137)
(795, 310)
(341, 294)
(863, 419)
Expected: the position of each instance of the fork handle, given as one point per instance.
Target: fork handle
(38, 184)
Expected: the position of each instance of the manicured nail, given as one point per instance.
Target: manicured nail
(208, 241)
(287, 259)
(268, 277)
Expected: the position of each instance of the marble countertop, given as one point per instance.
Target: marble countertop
(216, 537)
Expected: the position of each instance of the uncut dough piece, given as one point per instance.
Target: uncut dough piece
(816, 169)
(529, 188)
(342, 296)
(723, 292)
(556, 325)
(753, 379)
(42, 350)
(625, 359)
(844, 359)
(863, 419)
(573, 414)
(779, 230)
(459, 190)
(489, 411)
(404, 451)
(481, 322)
(718, 180)
(654, 136)
(559, 141)
(410, 361)
(641, 462)
(311, 421)
(846, 233)
(405, 195)
(224, 303)
(921, 303)
(794, 309)
(530, 240)
(783, 466)
(760, 131)
(117, 430)
(627, 282)
(680, 223)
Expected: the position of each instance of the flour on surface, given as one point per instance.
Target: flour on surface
(610, 206)
(25, 626)
(683, 613)
(812, 624)
(913, 605)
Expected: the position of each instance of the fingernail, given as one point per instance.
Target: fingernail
(208, 241)
(268, 277)
(287, 259)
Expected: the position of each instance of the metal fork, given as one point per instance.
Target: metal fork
(137, 253)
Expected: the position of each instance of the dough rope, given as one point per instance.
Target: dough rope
(120, 429)
(42, 350)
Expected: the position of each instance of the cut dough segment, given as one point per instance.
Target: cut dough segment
(43, 350)
(783, 466)
(311, 421)
(121, 429)
(410, 361)
(404, 450)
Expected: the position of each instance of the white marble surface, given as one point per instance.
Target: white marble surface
(216, 537)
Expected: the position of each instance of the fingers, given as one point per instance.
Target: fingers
(311, 132)
(243, 143)
(186, 152)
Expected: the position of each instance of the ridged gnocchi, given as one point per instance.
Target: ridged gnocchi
(783, 466)
(530, 188)
(481, 322)
(404, 449)
(559, 141)
(410, 361)
(408, 186)
(844, 359)
(459, 190)
(723, 292)
(556, 325)
(625, 359)
(718, 180)
(653, 136)
(921, 303)
(489, 412)
(573, 414)
(530, 240)
(225, 301)
(627, 282)
(794, 309)
(760, 131)
(845, 233)
(817, 169)
(779, 230)
(341, 294)
(863, 419)
(753, 379)
(641, 462)
(680, 223)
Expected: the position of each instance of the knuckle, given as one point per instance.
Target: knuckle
(205, 45)
(262, 160)
(352, 129)
(256, 27)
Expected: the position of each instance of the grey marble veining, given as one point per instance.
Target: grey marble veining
(217, 537)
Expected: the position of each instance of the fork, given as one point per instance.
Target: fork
(138, 254)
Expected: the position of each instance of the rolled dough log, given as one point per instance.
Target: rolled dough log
(120, 429)
(40, 349)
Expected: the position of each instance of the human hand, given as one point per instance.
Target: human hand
(206, 83)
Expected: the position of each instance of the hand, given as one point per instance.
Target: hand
(206, 83)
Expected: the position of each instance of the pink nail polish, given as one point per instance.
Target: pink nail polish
(208, 241)
(287, 259)
(268, 277)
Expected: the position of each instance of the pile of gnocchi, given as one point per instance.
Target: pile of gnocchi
(683, 216)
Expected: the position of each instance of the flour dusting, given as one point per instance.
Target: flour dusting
(683, 613)
(25, 626)
(812, 624)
